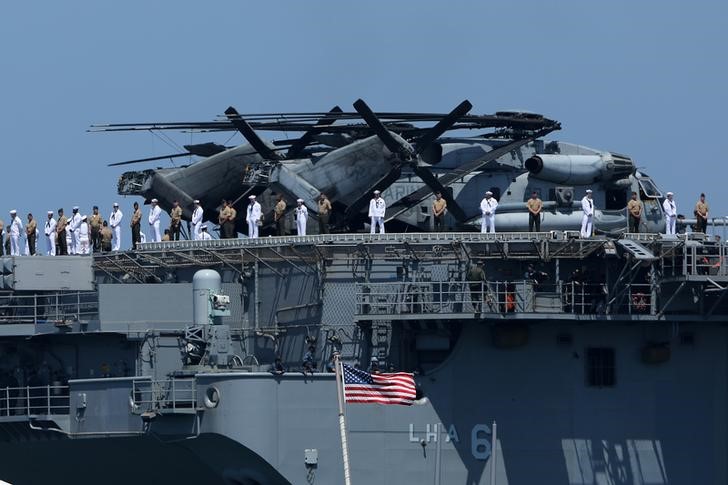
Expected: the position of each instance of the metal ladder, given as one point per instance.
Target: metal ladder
(637, 250)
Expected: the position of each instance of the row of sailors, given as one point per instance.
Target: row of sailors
(488, 206)
(378, 207)
(79, 234)
(76, 233)
(82, 234)
(635, 208)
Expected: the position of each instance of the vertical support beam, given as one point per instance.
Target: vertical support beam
(342, 418)
(667, 303)
(654, 287)
(493, 453)
(257, 302)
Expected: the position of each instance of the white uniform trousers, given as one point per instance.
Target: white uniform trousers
(487, 224)
(77, 242)
(117, 239)
(377, 221)
(586, 226)
(252, 229)
(83, 245)
(70, 242)
(301, 226)
(156, 237)
(15, 245)
(26, 251)
(51, 243)
(196, 230)
(670, 225)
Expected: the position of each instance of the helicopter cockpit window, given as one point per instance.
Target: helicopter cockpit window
(649, 188)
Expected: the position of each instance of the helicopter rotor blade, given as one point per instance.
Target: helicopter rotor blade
(205, 149)
(442, 126)
(394, 146)
(434, 184)
(421, 194)
(247, 131)
(299, 145)
(150, 159)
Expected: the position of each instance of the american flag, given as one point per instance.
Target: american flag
(362, 387)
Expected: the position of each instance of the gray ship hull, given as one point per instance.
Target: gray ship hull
(209, 459)
(552, 429)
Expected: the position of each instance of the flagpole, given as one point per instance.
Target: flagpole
(493, 454)
(342, 420)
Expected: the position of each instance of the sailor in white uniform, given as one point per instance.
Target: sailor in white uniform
(204, 235)
(84, 237)
(50, 232)
(377, 209)
(16, 229)
(587, 205)
(253, 216)
(115, 223)
(155, 212)
(670, 214)
(487, 207)
(73, 224)
(197, 220)
(69, 237)
(301, 214)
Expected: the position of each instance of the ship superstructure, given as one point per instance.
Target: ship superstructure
(602, 360)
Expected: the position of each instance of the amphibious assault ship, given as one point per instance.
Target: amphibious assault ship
(602, 359)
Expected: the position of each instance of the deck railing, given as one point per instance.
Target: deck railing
(167, 395)
(34, 400)
(450, 298)
(56, 307)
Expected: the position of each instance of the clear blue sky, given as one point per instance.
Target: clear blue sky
(643, 78)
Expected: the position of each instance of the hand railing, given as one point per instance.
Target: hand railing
(462, 297)
(56, 307)
(34, 400)
(164, 395)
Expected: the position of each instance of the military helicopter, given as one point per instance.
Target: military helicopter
(347, 155)
(345, 161)
(559, 173)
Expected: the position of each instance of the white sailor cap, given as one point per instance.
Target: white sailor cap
(204, 227)
(75, 207)
(154, 201)
(251, 197)
(13, 211)
(588, 191)
(299, 200)
(116, 204)
(83, 218)
(195, 201)
(489, 193)
(50, 213)
(377, 192)
(670, 193)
